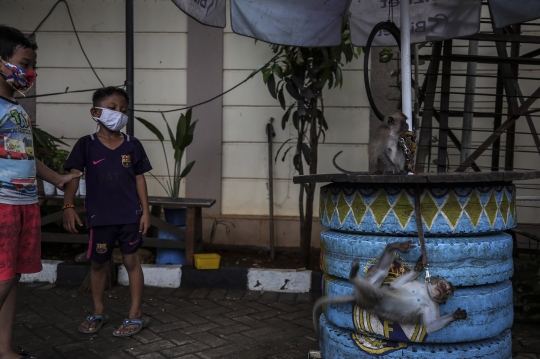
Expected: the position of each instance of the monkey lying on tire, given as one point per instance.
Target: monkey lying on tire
(405, 301)
(384, 151)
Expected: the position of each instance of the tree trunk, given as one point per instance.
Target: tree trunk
(307, 223)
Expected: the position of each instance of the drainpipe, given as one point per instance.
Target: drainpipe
(271, 134)
(129, 65)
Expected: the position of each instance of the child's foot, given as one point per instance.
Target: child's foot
(93, 323)
(131, 326)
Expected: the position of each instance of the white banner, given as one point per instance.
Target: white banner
(207, 12)
(431, 20)
(509, 12)
(307, 23)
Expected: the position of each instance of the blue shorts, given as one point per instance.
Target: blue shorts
(103, 239)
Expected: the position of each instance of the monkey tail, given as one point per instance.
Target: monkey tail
(317, 308)
(341, 169)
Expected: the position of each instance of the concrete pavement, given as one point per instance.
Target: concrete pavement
(186, 324)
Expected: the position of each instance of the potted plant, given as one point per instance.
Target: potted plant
(43, 148)
(180, 140)
(58, 162)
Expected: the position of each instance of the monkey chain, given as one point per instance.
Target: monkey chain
(408, 142)
(418, 213)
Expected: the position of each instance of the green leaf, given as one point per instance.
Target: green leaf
(186, 170)
(266, 74)
(255, 71)
(181, 128)
(171, 135)
(295, 120)
(277, 71)
(339, 77)
(306, 152)
(281, 98)
(151, 128)
(292, 91)
(285, 117)
(272, 85)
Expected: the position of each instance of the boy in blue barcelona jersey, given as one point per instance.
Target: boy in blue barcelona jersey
(116, 204)
(20, 221)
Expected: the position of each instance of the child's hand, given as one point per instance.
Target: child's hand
(70, 219)
(65, 179)
(145, 223)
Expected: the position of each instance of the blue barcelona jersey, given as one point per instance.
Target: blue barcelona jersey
(17, 164)
(111, 192)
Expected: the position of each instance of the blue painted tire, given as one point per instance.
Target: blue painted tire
(343, 344)
(463, 261)
(489, 312)
(446, 211)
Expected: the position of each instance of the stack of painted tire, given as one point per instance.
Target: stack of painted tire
(465, 244)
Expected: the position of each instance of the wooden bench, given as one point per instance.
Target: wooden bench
(192, 235)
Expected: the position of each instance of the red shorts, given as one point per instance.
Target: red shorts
(20, 240)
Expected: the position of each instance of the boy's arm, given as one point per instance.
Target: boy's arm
(142, 192)
(71, 218)
(46, 174)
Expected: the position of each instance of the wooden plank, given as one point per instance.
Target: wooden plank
(424, 144)
(470, 177)
(445, 106)
(168, 227)
(58, 216)
(190, 235)
(83, 238)
(155, 211)
(163, 201)
(504, 38)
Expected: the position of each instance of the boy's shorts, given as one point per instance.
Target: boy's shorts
(103, 239)
(20, 240)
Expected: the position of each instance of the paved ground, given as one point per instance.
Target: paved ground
(186, 323)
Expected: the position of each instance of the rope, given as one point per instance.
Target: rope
(418, 213)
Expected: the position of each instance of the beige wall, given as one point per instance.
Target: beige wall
(160, 83)
(160, 64)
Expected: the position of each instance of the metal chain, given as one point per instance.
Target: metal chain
(418, 213)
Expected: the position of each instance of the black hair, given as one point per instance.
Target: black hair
(10, 39)
(106, 92)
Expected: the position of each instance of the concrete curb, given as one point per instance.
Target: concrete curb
(176, 276)
(48, 274)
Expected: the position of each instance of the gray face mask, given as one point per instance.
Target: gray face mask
(113, 120)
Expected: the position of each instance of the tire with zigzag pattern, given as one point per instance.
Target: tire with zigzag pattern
(463, 261)
(343, 344)
(446, 211)
(489, 312)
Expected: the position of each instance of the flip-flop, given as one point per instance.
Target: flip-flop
(142, 323)
(103, 318)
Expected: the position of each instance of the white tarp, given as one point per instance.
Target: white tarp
(313, 23)
(207, 12)
(307, 23)
(509, 12)
(431, 20)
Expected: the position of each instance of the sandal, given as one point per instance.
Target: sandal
(142, 323)
(103, 318)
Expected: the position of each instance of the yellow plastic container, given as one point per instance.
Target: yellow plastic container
(207, 260)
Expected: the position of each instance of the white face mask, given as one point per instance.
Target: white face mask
(113, 120)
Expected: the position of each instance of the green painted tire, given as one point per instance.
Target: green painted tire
(463, 261)
(489, 312)
(343, 344)
(446, 211)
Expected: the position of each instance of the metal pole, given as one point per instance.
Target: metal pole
(468, 108)
(416, 127)
(271, 133)
(406, 62)
(129, 65)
